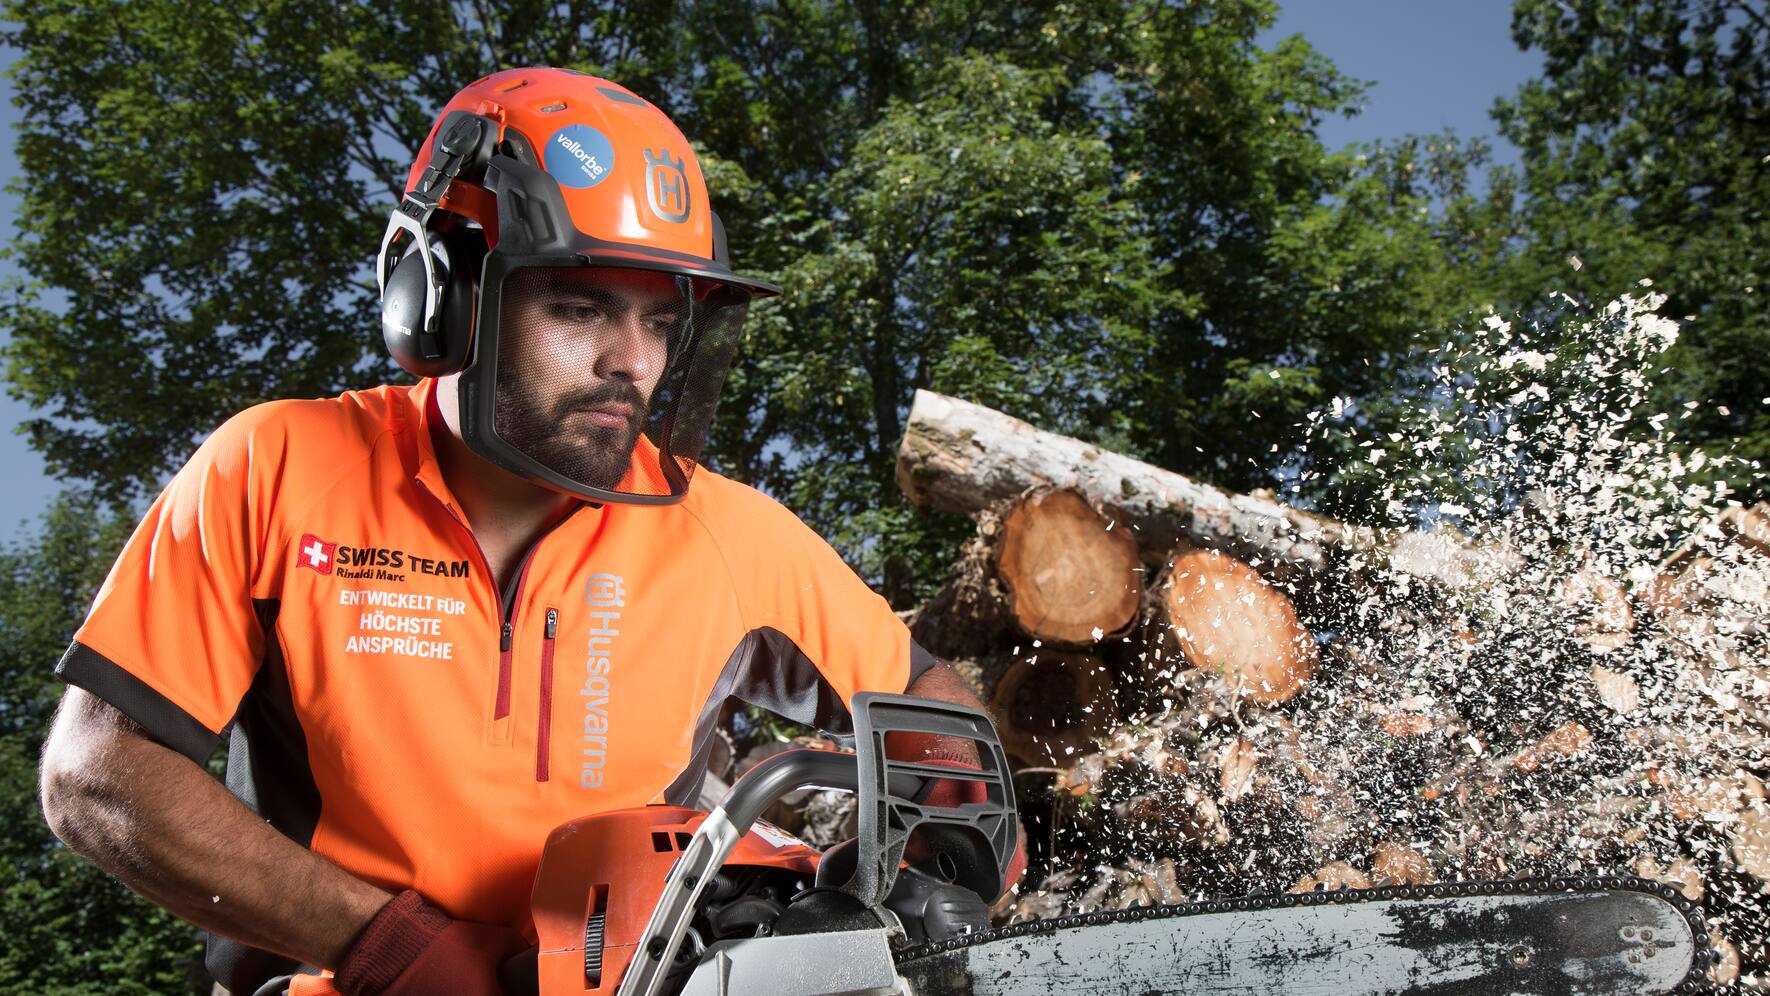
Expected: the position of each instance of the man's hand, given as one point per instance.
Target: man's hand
(152, 818)
(942, 683)
(411, 948)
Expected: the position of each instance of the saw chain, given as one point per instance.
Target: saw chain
(1695, 981)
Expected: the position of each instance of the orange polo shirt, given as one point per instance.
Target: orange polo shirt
(308, 582)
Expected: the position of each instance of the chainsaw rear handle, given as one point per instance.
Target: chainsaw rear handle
(979, 838)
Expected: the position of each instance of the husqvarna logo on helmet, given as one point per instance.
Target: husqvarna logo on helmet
(667, 182)
(579, 156)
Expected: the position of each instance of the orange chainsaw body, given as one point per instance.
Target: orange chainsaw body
(612, 866)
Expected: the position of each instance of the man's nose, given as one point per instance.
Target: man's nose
(626, 350)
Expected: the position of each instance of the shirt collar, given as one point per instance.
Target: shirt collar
(421, 417)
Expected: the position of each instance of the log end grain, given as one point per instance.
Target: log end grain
(1228, 620)
(1051, 705)
(1399, 864)
(1332, 877)
(1070, 576)
(1751, 842)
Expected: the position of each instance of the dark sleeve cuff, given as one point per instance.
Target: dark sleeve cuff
(920, 661)
(87, 668)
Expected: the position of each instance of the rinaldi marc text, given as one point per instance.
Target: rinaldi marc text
(341, 560)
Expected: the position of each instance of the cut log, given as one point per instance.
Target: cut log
(1406, 724)
(1328, 806)
(1724, 966)
(1071, 577)
(1680, 873)
(1567, 740)
(960, 457)
(1449, 735)
(1679, 588)
(1619, 692)
(1229, 621)
(1050, 705)
(1751, 842)
(1236, 766)
(1750, 526)
(1747, 527)
(1188, 817)
(1719, 580)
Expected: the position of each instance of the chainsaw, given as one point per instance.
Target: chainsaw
(670, 900)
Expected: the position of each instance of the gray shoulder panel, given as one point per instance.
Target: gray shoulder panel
(767, 670)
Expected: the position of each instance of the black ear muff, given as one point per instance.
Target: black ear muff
(425, 348)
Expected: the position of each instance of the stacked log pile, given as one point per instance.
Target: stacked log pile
(1215, 694)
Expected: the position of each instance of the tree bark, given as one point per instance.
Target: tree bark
(961, 457)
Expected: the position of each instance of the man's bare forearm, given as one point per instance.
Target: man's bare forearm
(165, 828)
(943, 683)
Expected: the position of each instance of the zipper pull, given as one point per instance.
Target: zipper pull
(504, 637)
(552, 623)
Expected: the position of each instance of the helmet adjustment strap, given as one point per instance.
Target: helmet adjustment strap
(455, 148)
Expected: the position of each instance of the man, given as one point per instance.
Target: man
(441, 620)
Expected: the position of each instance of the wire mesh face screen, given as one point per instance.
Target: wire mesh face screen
(608, 376)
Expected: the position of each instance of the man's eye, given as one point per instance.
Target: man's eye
(661, 324)
(580, 312)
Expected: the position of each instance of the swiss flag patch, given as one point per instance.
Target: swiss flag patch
(315, 554)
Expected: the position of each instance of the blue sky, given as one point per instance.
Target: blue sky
(1435, 64)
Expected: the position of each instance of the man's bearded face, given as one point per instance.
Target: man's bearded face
(581, 351)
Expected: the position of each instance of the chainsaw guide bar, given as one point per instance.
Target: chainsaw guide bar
(1610, 934)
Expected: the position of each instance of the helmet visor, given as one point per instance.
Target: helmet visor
(607, 377)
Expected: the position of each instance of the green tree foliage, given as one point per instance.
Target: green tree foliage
(201, 196)
(65, 926)
(970, 246)
(1302, 267)
(1226, 271)
(1113, 218)
(1644, 156)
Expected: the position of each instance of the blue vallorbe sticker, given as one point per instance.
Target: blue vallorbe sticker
(579, 156)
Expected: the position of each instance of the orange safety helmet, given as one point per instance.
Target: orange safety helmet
(536, 191)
